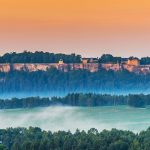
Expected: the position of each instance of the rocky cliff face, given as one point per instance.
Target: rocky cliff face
(35, 67)
(92, 67)
(4, 67)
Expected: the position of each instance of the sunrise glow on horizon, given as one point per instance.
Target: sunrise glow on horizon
(87, 27)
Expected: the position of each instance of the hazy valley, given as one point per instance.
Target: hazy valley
(67, 92)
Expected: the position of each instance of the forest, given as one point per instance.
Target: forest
(47, 57)
(54, 82)
(36, 139)
(38, 57)
(78, 99)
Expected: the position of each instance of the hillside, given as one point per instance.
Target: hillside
(53, 81)
(28, 61)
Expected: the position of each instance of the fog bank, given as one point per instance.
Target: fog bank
(71, 118)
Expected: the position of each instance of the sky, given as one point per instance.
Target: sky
(87, 27)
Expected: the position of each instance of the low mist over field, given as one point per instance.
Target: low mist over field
(71, 118)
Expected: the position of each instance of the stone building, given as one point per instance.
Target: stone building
(133, 62)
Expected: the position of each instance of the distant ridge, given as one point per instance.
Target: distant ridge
(28, 61)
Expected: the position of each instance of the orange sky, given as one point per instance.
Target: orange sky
(88, 27)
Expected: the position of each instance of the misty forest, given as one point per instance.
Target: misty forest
(88, 100)
(54, 82)
(74, 75)
(99, 100)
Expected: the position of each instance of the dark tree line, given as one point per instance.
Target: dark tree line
(145, 61)
(108, 58)
(90, 100)
(24, 103)
(93, 100)
(53, 81)
(36, 139)
(47, 57)
(38, 57)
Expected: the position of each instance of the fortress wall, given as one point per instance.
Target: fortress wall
(4, 67)
(92, 67)
(115, 67)
(33, 67)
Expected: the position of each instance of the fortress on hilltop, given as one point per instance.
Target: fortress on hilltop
(91, 64)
